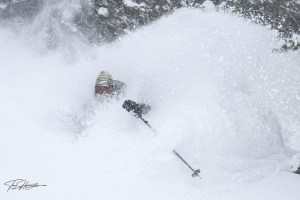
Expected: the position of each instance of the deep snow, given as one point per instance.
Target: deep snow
(219, 96)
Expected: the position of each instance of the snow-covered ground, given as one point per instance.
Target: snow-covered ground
(219, 96)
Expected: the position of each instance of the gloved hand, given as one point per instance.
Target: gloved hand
(137, 109)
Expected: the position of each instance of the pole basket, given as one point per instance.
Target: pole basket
(196, 173)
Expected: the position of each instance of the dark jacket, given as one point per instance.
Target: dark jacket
(118, 88)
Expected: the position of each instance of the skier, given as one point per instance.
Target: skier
(107, 88)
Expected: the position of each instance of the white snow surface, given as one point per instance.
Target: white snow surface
(219, 96)
(130, 3)
(103, 11)
(3, 6)
(208, 5)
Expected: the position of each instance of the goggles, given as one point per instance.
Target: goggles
(103, 89)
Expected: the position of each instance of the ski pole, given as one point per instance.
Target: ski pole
(147, 123)
(196, 172)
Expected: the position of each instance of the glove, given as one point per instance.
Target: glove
(137, 109)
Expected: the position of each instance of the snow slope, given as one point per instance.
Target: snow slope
(220, 97)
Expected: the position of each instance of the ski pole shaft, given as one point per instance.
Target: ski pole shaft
(147, 123)
(183, 160)
(195, 171)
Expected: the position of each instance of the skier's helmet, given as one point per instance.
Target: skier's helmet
(104, 83)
